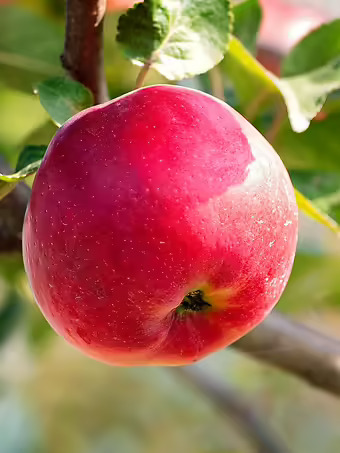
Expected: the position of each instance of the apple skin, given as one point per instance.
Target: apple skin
(145, 199)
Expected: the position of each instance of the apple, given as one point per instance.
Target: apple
(162, 227)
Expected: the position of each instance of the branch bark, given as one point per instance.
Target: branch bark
(232, 404)
(297, 349)
(83, 50)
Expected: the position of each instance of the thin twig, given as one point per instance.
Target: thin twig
(142, 74)
(83, 50)
(216, 83)
(278, 120)
(297, 349)
(236, 407)
(253, 107)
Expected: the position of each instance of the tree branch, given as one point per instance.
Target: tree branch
(234, 406)
(83, 50)
(297, 349)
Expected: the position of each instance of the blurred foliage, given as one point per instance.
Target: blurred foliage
(247, 20)
(30, 47)
(54, 400)
(19, 432)
(315, 149)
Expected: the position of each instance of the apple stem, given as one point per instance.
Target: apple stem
(142, 74)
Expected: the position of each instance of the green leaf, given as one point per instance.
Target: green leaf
(63, 97)
(8, 182)
(179, 39)
(312, 71)
(314, 51)
(314, 183)
(30, 47)
(303, 95)
(254, 86)
(29, 155)
(323, 188)
(312, 211)
(247, 19)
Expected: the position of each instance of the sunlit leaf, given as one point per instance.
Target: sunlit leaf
(253, 84)
(8, 182)
(312, 211)
(179, 38)
(323, 188)
(304, 95)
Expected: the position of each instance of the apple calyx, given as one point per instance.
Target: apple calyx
(193, 302)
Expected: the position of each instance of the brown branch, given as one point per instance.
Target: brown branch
(297, 349)
(83, 50)
(236, 407)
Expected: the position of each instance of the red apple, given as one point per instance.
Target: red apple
(162, 227)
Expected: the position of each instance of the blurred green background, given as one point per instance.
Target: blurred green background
(55, 400)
